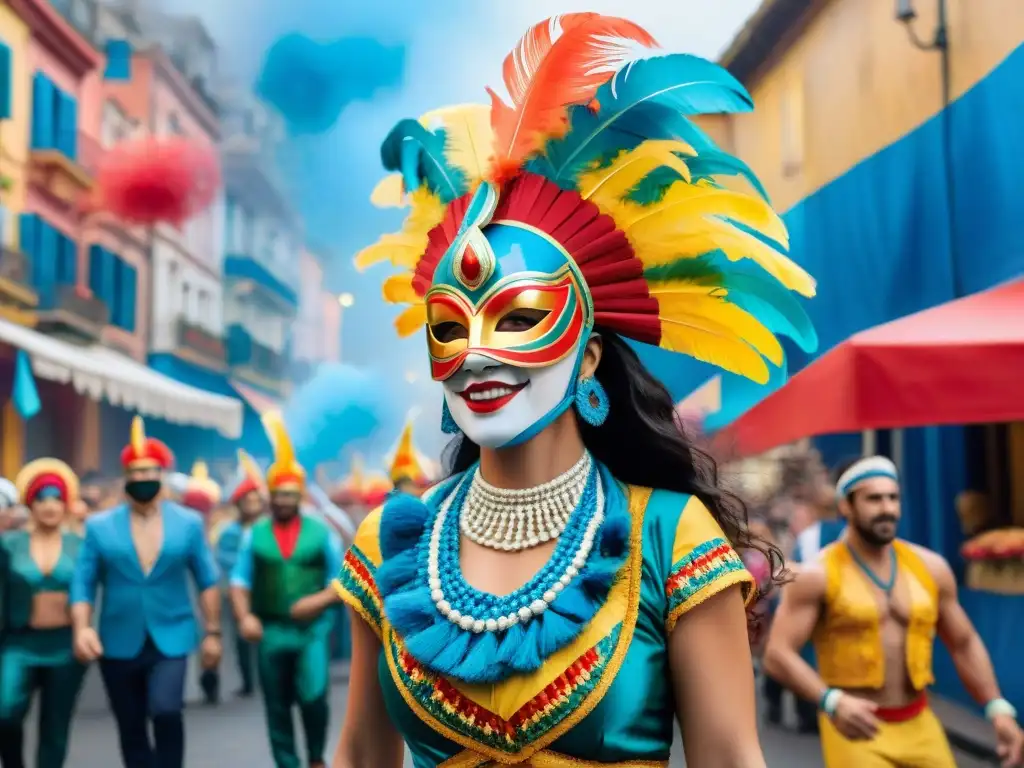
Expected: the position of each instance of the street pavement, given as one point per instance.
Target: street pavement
(232, 734)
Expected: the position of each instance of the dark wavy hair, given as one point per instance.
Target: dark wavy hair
(643, 443)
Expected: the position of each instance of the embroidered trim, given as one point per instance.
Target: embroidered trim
(708, 569)
(638, 498)
(485, 729)
(356, 587)
(547, 759)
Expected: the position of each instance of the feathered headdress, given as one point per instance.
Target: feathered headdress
(252, 478)
(143, 451)
(202, 493)
(43, 473)
(405, 462)
(285, 474)
(598, 152)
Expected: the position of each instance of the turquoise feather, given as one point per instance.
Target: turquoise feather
(418, 154)
(678, 84)
(751, 289)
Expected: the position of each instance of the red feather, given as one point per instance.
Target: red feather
(149, 180)
(560, 62)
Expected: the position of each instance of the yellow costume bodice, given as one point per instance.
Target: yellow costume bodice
(848, 637)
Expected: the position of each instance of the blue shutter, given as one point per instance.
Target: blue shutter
(42, 112)
(45, 265)
(67, 125)
(67, 268)
(96, 270)
(119, 60)
(127, 297)
(108, 281)
(6, 82)
(116, 305)
(28, 234)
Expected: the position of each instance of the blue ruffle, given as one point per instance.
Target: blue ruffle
(489, 657)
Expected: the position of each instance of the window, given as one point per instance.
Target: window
(54, 118)
(186, 302)
(793, 123)
(119, 60)
(6, 78)
(995, 466)
(204, 307)
(174, 125)
(52, 254)
(115, 282)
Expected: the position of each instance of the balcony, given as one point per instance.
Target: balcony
(16, 291)
(255, 363)
(247, 274)
(192, 341)
(69, 310)
(61, 176)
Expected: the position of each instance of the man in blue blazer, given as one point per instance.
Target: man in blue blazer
(141, 554)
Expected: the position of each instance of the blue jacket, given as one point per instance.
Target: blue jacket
(134, 604)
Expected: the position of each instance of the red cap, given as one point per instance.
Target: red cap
(145, 451)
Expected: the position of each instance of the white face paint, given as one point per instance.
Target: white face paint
(494, 403)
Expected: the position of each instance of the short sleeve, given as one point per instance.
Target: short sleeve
(704, 563)
(356, 583)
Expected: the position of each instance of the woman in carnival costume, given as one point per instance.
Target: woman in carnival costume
(36, 566)
(575, 582)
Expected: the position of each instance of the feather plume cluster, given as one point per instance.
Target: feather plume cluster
(604, 118)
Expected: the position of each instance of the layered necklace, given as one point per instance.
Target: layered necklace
(571, 504)
(511, 520)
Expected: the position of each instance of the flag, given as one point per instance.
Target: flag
(26, 396)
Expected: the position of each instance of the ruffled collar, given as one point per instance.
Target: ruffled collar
(476, 651)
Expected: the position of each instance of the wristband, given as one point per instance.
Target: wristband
(998, 708)
(213, 633)
(829, 701)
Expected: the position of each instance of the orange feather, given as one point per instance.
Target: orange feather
(558, 63)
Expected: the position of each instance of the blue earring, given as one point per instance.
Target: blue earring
(448, 425)
(592, 401)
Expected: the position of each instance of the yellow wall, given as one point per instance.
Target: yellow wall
(861, 85)
(14, 133)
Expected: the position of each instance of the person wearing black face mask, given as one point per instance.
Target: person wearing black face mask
(145, 642)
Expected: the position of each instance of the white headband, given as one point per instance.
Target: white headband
(872, 466)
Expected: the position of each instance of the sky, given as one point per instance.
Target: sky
(452, 49)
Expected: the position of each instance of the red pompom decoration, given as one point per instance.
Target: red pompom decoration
(151, 179)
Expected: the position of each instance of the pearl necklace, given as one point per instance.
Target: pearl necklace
(511, 520)
(524, 613)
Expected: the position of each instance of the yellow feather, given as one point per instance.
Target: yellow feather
(680, 299)
(200, 471)
(691, 201)
(610, 184)
(389, 192)
(138, 436)
(691, 221)
(284, 453)
(469, 138)
(398, 289)
(411, 320)
(249, 466)
(712, 343)
(405, 248)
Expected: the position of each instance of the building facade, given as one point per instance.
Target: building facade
(85, 341)
(891, 151)
(263, 243)
(317, 330)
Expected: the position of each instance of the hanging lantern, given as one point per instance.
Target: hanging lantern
(149, 179)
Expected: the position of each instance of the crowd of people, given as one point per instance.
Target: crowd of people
(115, 588)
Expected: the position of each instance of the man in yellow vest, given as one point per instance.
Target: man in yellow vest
(872, 604)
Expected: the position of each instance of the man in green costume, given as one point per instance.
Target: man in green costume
(280, 588)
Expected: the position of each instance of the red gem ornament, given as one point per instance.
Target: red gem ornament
(470, 265)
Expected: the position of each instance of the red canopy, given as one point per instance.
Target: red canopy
(957, 363)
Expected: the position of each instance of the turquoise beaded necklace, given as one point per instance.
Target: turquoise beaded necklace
(885, 586)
